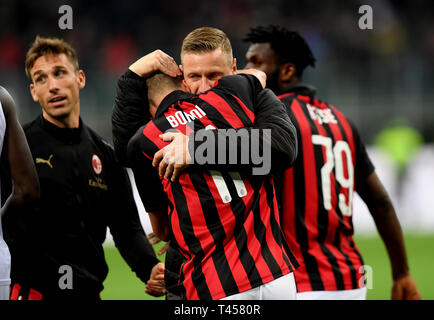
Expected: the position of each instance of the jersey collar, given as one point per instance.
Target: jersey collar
(69, 135)
(171, 99)
(301, 89)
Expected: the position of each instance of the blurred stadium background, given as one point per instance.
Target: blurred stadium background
(382, 79)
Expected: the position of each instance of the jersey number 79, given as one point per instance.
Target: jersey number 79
(335, 159)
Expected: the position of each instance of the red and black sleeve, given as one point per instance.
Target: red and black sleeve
(141, 150)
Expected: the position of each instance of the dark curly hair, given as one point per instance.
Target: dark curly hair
(290, 46)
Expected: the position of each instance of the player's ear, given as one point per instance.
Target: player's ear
(81, 79)
(185, 87)
(152, 109)
(33, 93)
(234, 66)
(287, 72)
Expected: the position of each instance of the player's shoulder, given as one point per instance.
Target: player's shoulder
(152, 126)
(32, 127)
(242, 86)
(301, 92)
(144, 141)
(287, 98)
(140, 133)
(6, 100)
(3, 93)
(239, 79)
(164, 122)
(98, 140)
(144, 134)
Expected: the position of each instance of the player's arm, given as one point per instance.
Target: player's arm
(125, 226)
(149, 187)
(19, 159)
(273, 132)
(371, 190)
(131, 108)
(157, 211)
(260, 75)
(389, 228)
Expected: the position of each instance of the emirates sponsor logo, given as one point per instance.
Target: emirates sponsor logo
(98, 183)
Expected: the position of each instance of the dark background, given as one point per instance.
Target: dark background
(374, 76)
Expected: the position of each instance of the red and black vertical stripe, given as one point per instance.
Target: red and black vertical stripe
(230, 247)
(320, 238)
(19, 292)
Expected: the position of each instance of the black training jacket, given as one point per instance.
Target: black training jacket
(83, 191)
(130, 112)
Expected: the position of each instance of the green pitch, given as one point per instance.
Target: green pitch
(122, 283)
(420, 252)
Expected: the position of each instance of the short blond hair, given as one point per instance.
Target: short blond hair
(207, 39)
(161, 83)
(49, 46)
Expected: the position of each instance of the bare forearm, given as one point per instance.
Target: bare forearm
(160, 224)
(390, 231)
(388, 226)
(153, 62)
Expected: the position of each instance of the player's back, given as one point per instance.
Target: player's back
(225, 223)
(317, 195)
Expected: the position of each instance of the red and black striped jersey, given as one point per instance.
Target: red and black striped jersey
(226, 224)
(317, 194)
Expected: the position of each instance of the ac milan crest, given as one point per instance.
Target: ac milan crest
(96, 164)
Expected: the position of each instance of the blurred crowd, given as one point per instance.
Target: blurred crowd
(375, 76)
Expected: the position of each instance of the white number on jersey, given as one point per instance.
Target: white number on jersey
(220, 183)
(334, 158)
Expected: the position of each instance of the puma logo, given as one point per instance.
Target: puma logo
(47, 162)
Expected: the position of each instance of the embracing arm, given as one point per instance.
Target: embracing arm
(273, 134)
(131, 108)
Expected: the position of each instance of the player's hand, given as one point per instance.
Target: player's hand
(173, 158)
(156, 286)
(152, 238)
(163, 248)
(404, 288)
(262, 77)
(153, 62)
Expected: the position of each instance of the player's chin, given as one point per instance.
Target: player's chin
(61, 112)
